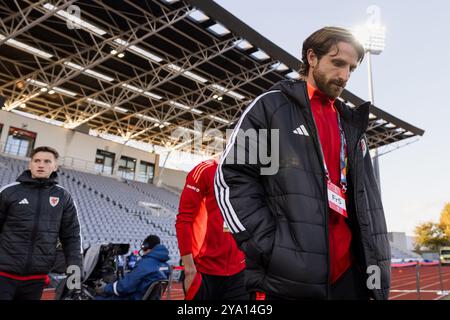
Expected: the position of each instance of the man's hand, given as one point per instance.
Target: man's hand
(100, 287)
(189, 275)
(189, 271)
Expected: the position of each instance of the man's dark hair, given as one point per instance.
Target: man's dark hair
(45, 149)
(150, 242)
(323, 40)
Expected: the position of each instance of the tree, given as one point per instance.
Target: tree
(430, 235)
(445, 220)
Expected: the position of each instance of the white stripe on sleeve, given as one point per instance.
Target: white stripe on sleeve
(222, 190)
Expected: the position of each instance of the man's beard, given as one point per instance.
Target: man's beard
(331, 88)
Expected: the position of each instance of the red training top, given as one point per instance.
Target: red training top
(200, 226)
(340, 235)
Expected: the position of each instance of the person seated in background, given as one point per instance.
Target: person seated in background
(150, 268)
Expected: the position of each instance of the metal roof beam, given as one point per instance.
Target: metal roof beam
(12, 30)
(230, 84)
(68, 73)
(157, 79)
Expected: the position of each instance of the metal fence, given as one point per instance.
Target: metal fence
(420, 281)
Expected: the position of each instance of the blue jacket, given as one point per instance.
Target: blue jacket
(152, 267)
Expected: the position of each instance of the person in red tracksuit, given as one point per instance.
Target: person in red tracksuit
(214, 266)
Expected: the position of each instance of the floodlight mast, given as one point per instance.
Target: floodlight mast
(372, 36)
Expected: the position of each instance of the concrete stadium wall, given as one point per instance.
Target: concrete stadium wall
(74, 147)
(173, 178)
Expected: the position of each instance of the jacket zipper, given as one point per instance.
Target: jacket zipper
(324, 185)
(33, 234)
(352, 159)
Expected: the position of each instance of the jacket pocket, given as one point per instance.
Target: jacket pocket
(274, 243)
(259, 251)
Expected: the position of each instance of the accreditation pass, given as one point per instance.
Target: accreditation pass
(336, 199)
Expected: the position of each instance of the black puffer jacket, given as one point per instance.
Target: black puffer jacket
(33, 214)
(280, 220)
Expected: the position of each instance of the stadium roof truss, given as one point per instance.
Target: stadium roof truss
(141, 69)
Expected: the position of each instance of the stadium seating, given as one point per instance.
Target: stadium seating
(109, 209)
(166, 198)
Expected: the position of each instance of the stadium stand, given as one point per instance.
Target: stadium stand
(166, 198)
(188, 64)
(109, 209)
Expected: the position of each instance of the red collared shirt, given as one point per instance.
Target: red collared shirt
(340, 235)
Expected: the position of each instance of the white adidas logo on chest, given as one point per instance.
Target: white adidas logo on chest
(301, 131)
(24, 201)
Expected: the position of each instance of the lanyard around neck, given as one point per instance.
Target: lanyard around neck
(343, 160)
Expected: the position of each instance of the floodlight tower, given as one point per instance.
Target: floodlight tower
(372, 36)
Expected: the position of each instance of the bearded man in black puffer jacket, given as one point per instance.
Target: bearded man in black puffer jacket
(311, 224)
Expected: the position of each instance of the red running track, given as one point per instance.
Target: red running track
(403, 284)
(403, 281)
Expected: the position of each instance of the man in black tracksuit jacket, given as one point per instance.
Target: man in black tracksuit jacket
(34, 213)
(280, 220)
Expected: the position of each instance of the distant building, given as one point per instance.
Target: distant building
(402, 247)
(399, 240)
(410, 243)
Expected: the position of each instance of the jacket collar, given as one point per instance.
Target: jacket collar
(159, 252)
(297, 90)
(26, 178)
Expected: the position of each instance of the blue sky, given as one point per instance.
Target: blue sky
(411, 81)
